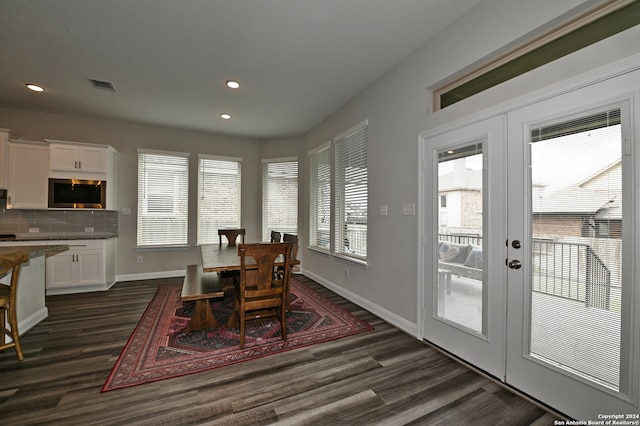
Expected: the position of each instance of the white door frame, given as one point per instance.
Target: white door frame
(425, 249)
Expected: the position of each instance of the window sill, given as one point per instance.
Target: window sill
(359, 262)
(161, 248)
(319, 250)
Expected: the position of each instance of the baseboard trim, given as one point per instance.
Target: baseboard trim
(54, 291)
(150, 275)
(30, 322)
(393, 319)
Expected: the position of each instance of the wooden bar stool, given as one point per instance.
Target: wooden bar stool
(8, 300)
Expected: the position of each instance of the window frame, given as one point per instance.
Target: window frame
(288, 198)
(350, 198)
(334, 203)
(315, 177)
(204, 233)
(179, 197)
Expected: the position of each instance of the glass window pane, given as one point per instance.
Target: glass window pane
(576, 241)
(460, 237)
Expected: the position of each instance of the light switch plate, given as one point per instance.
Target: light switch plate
(384, 210)
(408, 209)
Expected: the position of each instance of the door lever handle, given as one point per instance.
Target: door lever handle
(515, 264)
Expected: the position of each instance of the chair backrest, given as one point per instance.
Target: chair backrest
(13, 261)
(232, 235)
(265, 255)
(293, 239)
(276, 237)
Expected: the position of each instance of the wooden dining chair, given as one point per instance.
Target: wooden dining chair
(8, 300)
(276, 237)
(293, 239)
(258, 294)
(231, 235)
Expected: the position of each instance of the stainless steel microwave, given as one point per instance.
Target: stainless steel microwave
(77, 194)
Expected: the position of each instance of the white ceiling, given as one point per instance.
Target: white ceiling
(297, 60)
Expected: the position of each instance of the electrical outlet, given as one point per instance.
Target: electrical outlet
(88, 229)
(34, 229)
(139, 259)
(346, 272)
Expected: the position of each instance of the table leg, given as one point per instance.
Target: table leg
(202, 318)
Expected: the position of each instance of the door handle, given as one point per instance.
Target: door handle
(515, 264)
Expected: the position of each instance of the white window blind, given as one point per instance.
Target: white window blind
(351, 192)
(279, 196)
(218, 196)
(577, 242)
(320, 198)
(163, 184)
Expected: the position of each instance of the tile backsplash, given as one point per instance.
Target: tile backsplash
(57, 221)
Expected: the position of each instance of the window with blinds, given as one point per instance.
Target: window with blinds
(351, 193)
(577, 244)
(320, 198)
(279, 196)
(218, 196)
(163, 187)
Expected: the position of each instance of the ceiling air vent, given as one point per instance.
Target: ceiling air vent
(102, 85)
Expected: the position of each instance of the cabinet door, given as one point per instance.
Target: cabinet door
(28, 176)
(3, 160)
(90, 267)
(63, 158)
(91, 160)
(60, 269)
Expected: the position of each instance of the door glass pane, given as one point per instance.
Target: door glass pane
(576, 246)
(460, 231)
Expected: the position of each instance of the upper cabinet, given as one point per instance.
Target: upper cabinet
(4, 147)
(28, 175)
(78, 160)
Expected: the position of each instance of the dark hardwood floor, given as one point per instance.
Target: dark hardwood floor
(383, 377)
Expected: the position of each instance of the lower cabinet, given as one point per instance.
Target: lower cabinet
(88, 265)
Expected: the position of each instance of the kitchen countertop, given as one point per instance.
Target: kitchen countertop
(35, 250)
(48, 236)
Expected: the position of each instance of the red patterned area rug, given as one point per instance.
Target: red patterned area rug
(158, 349)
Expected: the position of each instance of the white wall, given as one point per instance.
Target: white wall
(398, 107)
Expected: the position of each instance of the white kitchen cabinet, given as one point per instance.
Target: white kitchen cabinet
(4, 140)
(77, 158)
(88, 265)
(28, 177)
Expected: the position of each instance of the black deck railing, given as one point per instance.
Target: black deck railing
(569, 270)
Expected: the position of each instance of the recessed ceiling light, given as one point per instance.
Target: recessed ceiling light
(233, 84)
(225, 116)
(34, 87)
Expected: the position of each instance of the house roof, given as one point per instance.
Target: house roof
(572, 200)
(297, 61)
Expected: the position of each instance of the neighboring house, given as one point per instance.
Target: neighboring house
(460, 195)
(592, 208)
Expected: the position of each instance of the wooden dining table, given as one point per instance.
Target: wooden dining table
(226, 259)
(210, 281)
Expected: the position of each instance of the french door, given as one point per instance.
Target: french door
(465, 291)
(572, 233)
(537, 283)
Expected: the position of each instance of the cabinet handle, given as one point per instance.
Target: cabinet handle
(76, 164)
(79, 164)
